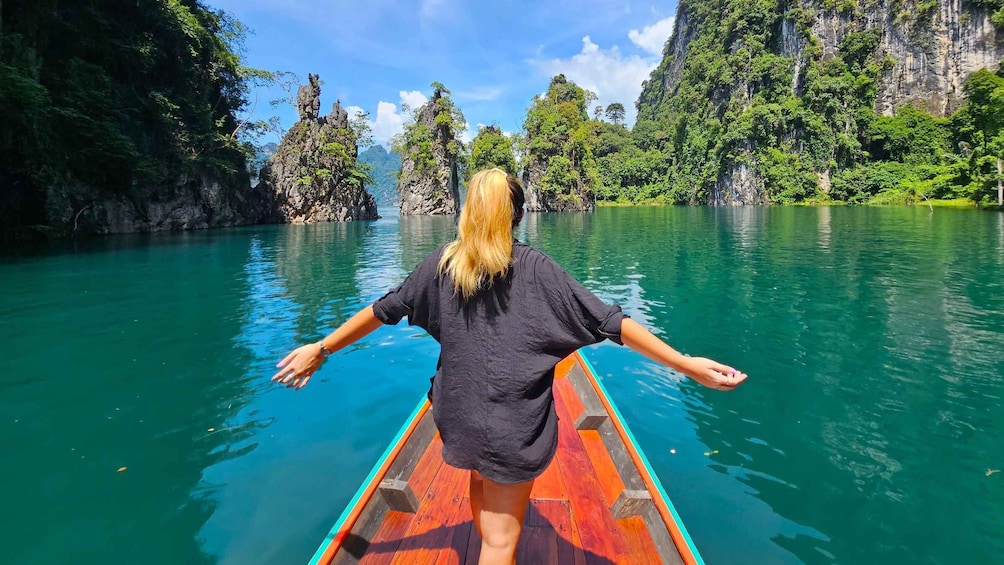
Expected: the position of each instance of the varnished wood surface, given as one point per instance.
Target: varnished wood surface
(569, 521)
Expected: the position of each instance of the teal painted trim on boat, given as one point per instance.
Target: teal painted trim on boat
(362, 487)
(644, 460)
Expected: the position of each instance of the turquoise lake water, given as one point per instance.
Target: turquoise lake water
(873, 337)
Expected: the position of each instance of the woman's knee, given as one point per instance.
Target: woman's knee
(501, 538)
(502, 511)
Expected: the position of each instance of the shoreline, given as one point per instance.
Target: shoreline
(958, 203)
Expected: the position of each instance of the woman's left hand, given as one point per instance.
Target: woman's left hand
(298, 366)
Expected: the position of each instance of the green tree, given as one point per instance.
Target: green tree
(984, 112)
(361, 130)
(911, 136)
(615, 112)
(985, 103)
(491, 148)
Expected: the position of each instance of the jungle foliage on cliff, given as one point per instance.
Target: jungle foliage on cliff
(117, 95)
(805, 130)
(490, 149)
(421, 136)
(559, 140)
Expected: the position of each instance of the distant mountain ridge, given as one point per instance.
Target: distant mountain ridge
(385, 167)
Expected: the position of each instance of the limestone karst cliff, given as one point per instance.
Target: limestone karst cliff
(559, 171)
(313, 175)
(188, 201)
(754, 102)
(122, 117)
(430, 151)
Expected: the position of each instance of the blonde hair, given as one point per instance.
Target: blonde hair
(483, 248)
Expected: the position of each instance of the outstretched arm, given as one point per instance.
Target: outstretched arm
(705, 371)
(298, 366)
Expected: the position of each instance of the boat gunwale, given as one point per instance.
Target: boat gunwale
(677, 530)
(325, 554)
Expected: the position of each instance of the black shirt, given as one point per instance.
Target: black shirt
(491, 395)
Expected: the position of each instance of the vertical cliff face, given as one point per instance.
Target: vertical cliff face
(313, 175)
(190, 201)
(430, 158)
(934, 47)
(758, 101)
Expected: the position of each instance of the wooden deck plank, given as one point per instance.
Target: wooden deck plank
(537, 546)
(549, 484)
(641, 548)
(456, 549)
(558, 515)
(459, 523)
(597, 531)
(427, 468)
(387, 538)
(566, 391)
(606, 472)
(406, 460)
(473, 547)
(430, 531)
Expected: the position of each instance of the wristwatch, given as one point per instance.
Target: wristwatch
(324, 350)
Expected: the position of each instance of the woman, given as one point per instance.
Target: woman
(504, 315)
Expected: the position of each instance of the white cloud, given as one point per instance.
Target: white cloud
(389, 120)
(611, 75)
(388, 123)
(652, 38)
(354, 110)
(413, 99)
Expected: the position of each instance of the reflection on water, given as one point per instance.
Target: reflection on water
(420, 235)
(824, 229)
(872, 337)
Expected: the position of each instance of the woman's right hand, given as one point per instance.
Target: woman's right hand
(712, 374)
(705, 371)
(297, 368)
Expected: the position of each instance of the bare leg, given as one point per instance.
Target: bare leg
(477, 496)
(502, 512)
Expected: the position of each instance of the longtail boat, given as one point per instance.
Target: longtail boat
(599, 502)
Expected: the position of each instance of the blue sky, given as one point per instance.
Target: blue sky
(494, 57)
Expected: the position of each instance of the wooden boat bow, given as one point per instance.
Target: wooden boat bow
(598, 503)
